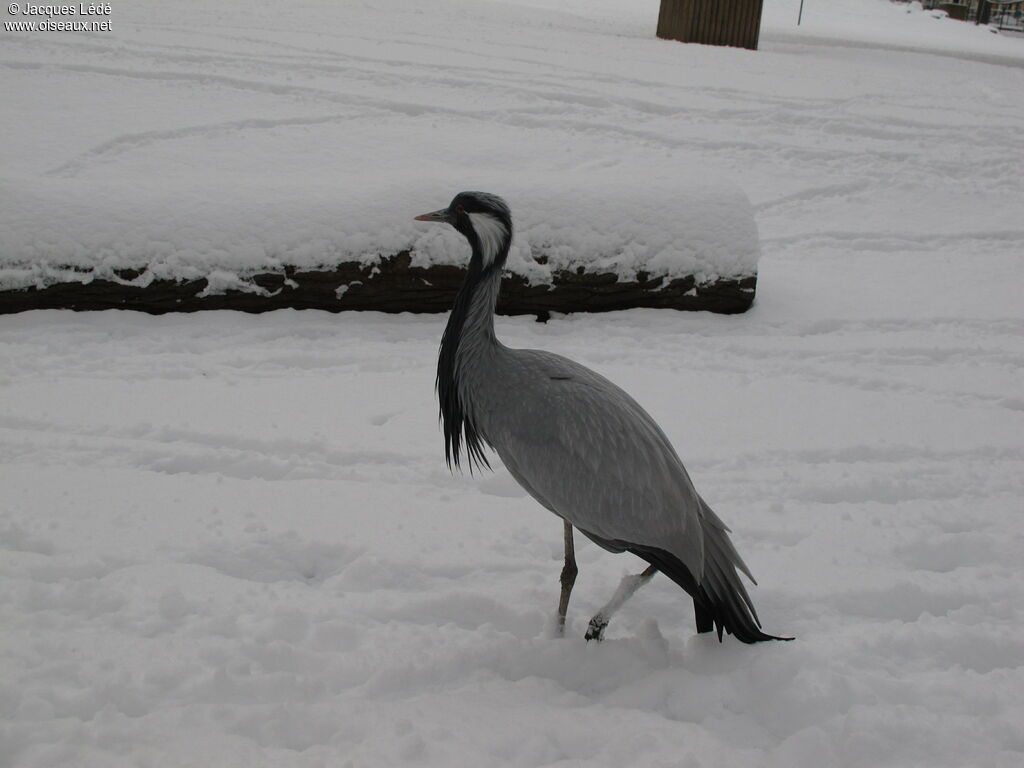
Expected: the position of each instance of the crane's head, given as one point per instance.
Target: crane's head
(484, 220)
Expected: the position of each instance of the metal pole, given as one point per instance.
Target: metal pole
(801, 14)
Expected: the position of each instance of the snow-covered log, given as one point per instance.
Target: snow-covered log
(580, 245)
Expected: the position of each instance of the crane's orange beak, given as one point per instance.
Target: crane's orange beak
(441, 215)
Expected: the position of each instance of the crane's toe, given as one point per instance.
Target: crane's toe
(595, 630)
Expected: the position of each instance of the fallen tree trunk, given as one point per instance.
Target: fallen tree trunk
(392, 284)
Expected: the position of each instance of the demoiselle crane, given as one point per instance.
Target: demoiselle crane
(578, 444)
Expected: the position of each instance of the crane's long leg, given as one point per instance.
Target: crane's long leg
(569, 571)
(628, 585)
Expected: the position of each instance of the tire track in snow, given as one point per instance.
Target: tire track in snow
(856, 476)
(181, 451)
(894, 240)
(752, 112)
(837, 191)
(138, 141)
(789, 38)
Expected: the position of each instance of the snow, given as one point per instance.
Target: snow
(231, 540)
(242, 155)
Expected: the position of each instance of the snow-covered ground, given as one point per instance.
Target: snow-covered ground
(231, 540)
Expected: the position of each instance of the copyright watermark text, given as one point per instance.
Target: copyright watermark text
(34, 17)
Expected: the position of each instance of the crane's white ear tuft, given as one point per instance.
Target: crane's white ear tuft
(491, 233)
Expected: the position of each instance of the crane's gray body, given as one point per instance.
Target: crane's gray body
(575, 441)
(584, 449)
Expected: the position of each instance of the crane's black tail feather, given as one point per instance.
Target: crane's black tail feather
(720, 600)
(705, 618)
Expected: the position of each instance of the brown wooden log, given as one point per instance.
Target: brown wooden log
(392, 284)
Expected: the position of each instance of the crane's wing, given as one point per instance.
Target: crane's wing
(590, 453)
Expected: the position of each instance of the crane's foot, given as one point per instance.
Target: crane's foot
(595, 630)
(627, 587)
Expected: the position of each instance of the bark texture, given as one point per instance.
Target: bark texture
(391, 285)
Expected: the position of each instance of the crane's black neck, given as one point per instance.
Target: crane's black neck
(467, 337)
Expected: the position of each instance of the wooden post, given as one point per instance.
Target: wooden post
(984, 13)
(711, 22)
